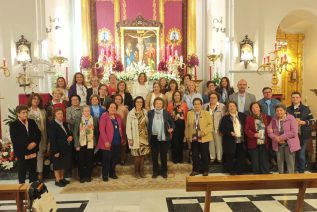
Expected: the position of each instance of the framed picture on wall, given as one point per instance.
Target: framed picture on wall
(140, 45)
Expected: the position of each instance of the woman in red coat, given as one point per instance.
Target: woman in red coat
(257, 139)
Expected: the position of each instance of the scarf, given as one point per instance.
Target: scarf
(159, 119)
(236, 124)
(86, 132)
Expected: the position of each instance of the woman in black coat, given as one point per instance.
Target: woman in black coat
(232, 129)
(60, 147)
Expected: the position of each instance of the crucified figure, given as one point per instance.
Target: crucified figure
(140, 44)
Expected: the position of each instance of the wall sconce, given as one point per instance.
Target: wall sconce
(246, 51)
(51, 21)
(23, 47)
(4, 67)
(219, 27)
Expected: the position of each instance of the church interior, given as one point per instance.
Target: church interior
(268, 45)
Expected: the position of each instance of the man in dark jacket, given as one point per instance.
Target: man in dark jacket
(25, 136)
(304, 119)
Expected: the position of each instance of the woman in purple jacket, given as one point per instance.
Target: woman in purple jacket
(283, 130)
(110, 140)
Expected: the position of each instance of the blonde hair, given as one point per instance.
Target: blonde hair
(58, 90)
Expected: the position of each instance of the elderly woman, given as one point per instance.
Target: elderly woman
(38, 114)
(78, 88)
(137, 135)
(57, 102)
(160, 128)
(191, 95)
(257, 138)
(198, 132)
(283, 130)
(231, 127)
(217, 111)
(140, 88)
(178, 110)
(126, 96)
(149, 101)
(111, 138)
(86, 133)
(96, 110)
(60, 147)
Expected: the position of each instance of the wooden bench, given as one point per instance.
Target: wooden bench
(17, 192)
(252, 182)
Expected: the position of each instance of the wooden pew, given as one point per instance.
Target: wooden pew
(17, 192)
(252, 182)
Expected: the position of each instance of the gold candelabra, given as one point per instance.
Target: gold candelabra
(4, 67)
(214, 57)
(277, 62)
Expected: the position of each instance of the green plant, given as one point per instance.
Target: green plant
(11, 117)
(216, 78)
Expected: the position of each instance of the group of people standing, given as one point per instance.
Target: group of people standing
(104, 122)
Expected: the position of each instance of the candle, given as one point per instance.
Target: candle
(210, 72)
(60, 52)
(195, 68)
(176, 53)
(213, 51)
(285, 58)
(264, 60)
(172, 50)
(4, 62)
(281, 60)
(268, 58)
(167, 52)
(66, 75)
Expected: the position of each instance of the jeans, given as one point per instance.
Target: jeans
(301, 157)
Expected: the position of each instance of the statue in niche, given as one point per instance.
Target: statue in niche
(129, 55)
(151, 55)
(140, 43)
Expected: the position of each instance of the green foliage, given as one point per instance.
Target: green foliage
(216, 78)
(11, 117)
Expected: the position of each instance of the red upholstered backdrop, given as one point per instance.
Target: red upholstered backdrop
(105, 17)
(173, 18)
(133, 8)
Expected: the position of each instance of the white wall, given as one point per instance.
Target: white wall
(15, 20)
(310, 69)
(30, 18)
(259, 20)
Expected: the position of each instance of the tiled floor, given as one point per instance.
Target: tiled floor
(175, 200)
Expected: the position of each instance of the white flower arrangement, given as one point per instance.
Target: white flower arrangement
(7, 159)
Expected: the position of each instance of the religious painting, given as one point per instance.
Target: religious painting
(140, 45)
(104, 37)
(174, 37)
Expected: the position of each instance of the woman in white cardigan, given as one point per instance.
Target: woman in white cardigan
(137, 135)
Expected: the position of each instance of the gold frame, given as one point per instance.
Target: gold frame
(179, 41)
(155, 29)
(104, 44)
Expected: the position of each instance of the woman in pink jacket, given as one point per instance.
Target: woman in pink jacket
(283, 130)
(110, 140)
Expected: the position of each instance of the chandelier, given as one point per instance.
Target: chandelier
(277, 62)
